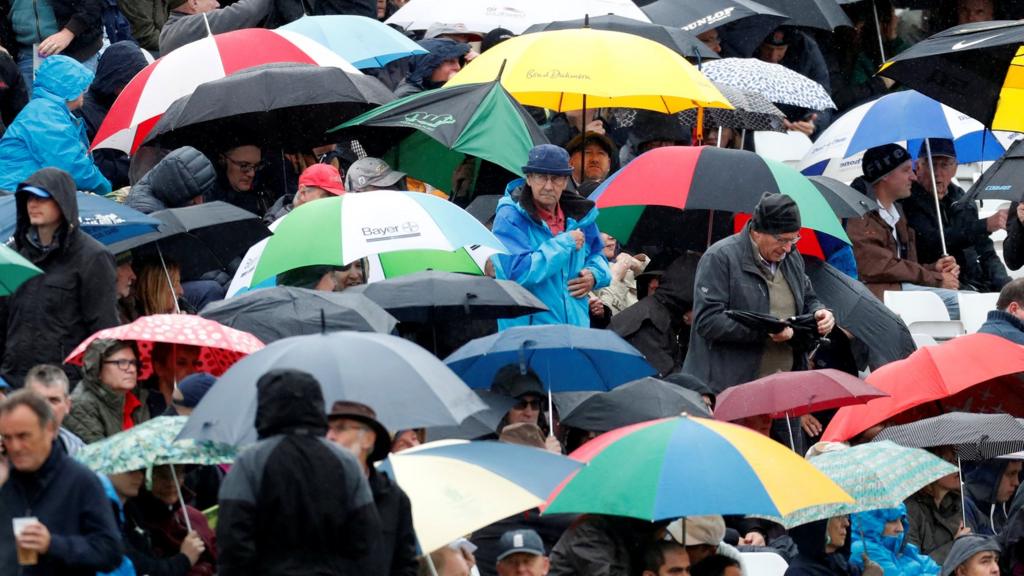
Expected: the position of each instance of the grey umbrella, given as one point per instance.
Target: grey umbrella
(271, 314)
(483, 423)
(634, 402)
(845, 201)
(975, 436)
(405, 384)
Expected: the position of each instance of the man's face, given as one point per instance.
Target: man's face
(898, 182)
(55, 396)
(43, 211)
(445, 71)
(351, 277)
(526, 409)
(1009, 482)
(677, 562)
(351, 435)
(405, 440)
(117, 378)
(652, 144)
(165, 484)
(609, 246)
(945, 172)
(127, 484)
(547, 189)
(699, 552)
(27, 441)
(774, 247)
(772, 53)
(125, 279)
(241, 165)
(711, 39)
(762, 424)
(893, 528)
(523, 564)
(598, 163)
(968, 11)
(308, 194)
(981, 564)
(179, 363)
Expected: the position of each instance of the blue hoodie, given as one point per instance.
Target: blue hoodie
(544, 263)
(894, 554)
(46, 134)
(126, 568)
(983, 514)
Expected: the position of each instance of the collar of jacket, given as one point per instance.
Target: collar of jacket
(109, 397)
(1004, 316)
(750, 259)
(31, 484)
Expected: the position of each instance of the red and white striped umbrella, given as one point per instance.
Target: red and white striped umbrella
(158, 85)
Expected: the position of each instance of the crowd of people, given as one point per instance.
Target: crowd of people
(308, 497)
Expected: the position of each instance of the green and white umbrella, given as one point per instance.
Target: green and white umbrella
(150, 444)
(14, 270)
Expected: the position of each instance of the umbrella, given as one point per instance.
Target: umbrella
(752, 112)
(635, 198)
(403, 383)
(688, 466)
(637, 401)
(699, 16)
(149, 94)
(354, 226)
(364, 42)
(484, 206)
(858, 310)
(845, 201)
(482, 16)
(482, 423)
(220, 346)
(975, 436)
(14, 270)
(103, 219)
(430, 133)
(877, 475)
(773, 81)
(429, 297)
(275, 313)
(821, 14)
(290, 105)
(947, 375)
(685, 43)
(975, 68)
(794, 394)
(458, 487)
(1000, 180)
(576, 69)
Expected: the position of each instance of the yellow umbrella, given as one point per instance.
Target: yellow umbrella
(585, 68)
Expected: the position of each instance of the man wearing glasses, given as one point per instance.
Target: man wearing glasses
(236, 181)
(555, 249)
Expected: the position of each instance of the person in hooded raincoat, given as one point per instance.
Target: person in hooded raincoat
(444, 58)
(988, 490)
(881, 535)
(824, 548)
(47, 134)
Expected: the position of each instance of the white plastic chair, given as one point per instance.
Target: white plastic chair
(763, 564)
(922, 340)
(923, 313)
(974, 309)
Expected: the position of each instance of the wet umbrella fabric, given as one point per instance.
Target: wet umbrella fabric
(699, 16)
(752, 112)
(793, 394)
(634, 402)
(103, 219)
(14, 270)
(773, 81)
(845, 201)
(483, 423)
(1002, 180)
(365, 42)
(685, 43)
(820, 14)
(975, 436)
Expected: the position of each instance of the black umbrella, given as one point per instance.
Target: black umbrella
(673, 37)
(274, 313)
(805, 327)
(859, 311)
(845, 201)
(637, 401)
(429, 297)
(975, 436)
(697, 16)
(1002, 180)
(821, 14)
(289, 105)
(483, 208)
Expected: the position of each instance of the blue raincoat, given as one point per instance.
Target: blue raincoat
(894, 554)
(543, 263)
(126, 568)
(45, 133)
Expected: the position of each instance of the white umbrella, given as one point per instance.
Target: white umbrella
(482, 16)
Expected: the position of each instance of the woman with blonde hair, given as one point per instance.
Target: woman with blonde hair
(157, 290)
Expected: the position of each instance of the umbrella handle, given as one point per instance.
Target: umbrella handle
(177, 486)
(935, 195)
(430, 564)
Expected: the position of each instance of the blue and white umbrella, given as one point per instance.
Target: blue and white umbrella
(364, 42)
(103, 219)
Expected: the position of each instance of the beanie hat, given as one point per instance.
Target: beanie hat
(776, 214)
(881, 160)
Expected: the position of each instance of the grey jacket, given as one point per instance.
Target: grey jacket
(174, 182)
(933, 528)
(180, 28)
(724, 352)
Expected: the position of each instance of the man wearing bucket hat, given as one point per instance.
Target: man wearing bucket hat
(554, 247)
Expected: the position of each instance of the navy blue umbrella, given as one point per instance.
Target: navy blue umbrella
(103, 219)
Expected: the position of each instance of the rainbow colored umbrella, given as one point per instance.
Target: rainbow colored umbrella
(687, 466)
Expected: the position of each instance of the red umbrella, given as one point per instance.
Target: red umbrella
(808, 244)
(220, 346)
(794, 394)
(970, 373)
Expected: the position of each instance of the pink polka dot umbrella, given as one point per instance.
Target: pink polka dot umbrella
(220, 346)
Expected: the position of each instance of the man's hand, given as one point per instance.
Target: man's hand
(192, 547)
(826, 321)
(871, 568)
(997, 221)
(753, 539)
(56, 43)
(595, 126)
(596, 307)
(804, 126)
(35, 537)
(947, 264)
(782, 336)
(810, 425)
(578, 237)
(580, 285)
(950, 281)
(962, 531)
(551, 444)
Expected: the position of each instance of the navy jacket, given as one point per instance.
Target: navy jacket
(1003, 324)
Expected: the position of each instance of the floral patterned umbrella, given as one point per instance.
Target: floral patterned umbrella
(152, 444)
(220, 346)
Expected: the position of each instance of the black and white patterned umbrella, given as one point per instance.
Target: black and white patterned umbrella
(752, 112)
(773, 81)
(975, 436)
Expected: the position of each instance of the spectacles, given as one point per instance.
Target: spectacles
(524, 404)
(247, 166)
(124, 365)
(556, 179)
(789, 241)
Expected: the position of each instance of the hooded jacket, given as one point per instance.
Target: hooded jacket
(983, 514)
(932, 528)
(812, 559)
(294, 503)
(174, 182)
(422, 66)
(50, 314)
(894, 554)
(655, 324)
(543, 263)
(47, 134)
(965, 548)
(97, 412)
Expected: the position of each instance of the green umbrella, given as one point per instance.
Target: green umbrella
(394, 264)
(14, 269)
(435, 130)
(152, 444)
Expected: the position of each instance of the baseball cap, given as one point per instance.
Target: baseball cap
(698, 530)
(367, 172)
(193, 387)
(323, 176)
(441, 28)
(35, 190)
(520, 542)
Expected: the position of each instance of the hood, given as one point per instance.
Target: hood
(982, 482)
(289, 402)
(675, 289)
(92, 359)
(869, 526)
(179, 177)
(574, 206)
(811, 538)
(438, 50)
(964, 548)
(120, 62)
(61, 186)
(61, 78)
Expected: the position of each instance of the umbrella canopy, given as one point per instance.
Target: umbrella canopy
(152, 443)
(685, 43)
(275, 313)
(1001, 180)
(482, 16)
(688, 177)
(752, 112)
(566, 358)
(688, 466)
(403, 383)
(773, 81)
(575, 69)
(845, 201)
(482, 423)
(634, 402)
(699, 16)
(220, 346)
(430, 133)
(431, 296)
(935, 375)
(365, 42)
(139, 106)
(859, 311)
(105, 220)
(877, 475)
(976, 68)
(794, 394)
(975, 436)
(458, 487)
(14, 270)
(354, 226)
(290, 105)
(820, 14)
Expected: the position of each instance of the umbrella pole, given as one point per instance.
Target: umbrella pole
(789, 428)
(743, 139)
(719, 143)
(551, 415)
(430, 564)
(960, 477)
(878, 29)
(711, 225)
(935, 194)
(177, 486)
(583, 148)
(167, 275)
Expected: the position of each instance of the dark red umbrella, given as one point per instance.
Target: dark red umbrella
(972, 373)
(794, 394)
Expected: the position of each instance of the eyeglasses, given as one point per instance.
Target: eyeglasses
(789, 241)
(124, 365)
(523, 404)
(556, 179)
(247, 166)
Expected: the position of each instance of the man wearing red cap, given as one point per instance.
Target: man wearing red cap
(316, 182)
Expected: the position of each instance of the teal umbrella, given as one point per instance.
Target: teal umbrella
(14, 270)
